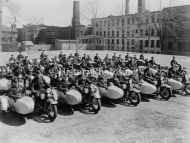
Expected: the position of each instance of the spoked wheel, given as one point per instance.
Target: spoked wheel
(96, 105)
(52, 112)
(165, 93)
(187, 89)
(134, 98)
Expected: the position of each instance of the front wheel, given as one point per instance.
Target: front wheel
(165, 93)
(96, 105)
(134, 98)
(52, 112)
(187, 88)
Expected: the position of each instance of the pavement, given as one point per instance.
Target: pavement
(153, 121)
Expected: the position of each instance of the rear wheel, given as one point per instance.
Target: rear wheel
(52, 112)
(134, 98)
(96, 105)
(165, 93)
(187, 88)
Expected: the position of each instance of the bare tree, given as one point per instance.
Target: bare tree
(14, 10)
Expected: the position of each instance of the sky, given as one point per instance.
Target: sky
(59, 12)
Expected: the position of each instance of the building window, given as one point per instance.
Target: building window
(104, 33)
(117, 33)
(108, 22)
(100, 23)
(152, 43)
(97, 33)
(158, 43)
(132, 42)
(117, 41)
(133, 33)
(147, 20)
(112, 33)
(146, 33)
(128, 33)
(152, 32)
(146, 43)
(108, 41)
(117, 22)
(112, 41)
(108, 33)
(133, 20)
(137, 31)
(141, 32)
(104, 23)
(128, 42)
(128, 21)
(96, 24)
(100, 33)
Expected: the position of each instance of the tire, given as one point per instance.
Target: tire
(96, 105)
(52, 112)
(165, 93)
(134, 98)
(187, 89)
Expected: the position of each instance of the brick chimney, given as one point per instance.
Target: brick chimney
(141, 6)
(127, 7)
(76, 18)
(0, 26)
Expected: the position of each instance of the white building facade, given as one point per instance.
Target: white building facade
(134, 32)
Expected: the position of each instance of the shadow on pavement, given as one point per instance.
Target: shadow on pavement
(65, 110)
(12, 119)
(108, 103)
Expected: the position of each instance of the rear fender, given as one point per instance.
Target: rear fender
(51, 101)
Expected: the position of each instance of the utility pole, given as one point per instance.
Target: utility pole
(69, 37)
(123, 32)
(0, 26)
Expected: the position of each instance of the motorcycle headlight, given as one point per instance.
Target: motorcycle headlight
(49, 95)
(20, 76)
(86, 90)
(48, 91)
(124, 86)
(42, 96)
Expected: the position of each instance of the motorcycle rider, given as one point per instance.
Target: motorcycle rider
(12, 58)
(174, 62)
(153, 63)
(20, 57)
(114, 57)
(42, 56)
(60, 56)
(151, 78)
(142, 57)
(77, 55)
(172, 72)
(38, 83)
(96, 58)
(127, 57)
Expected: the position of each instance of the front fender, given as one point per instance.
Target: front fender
(96, 95)
(135, 90)
(51, 101)
(167, 86)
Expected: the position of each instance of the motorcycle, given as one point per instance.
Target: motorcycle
(181, 82)
(92, 98)
(160, 86)
(46, 103)
(16, 100)
(131, 93)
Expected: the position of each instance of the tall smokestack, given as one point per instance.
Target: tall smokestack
(141, 6)
(127, 8)
(76, 18)
(0, 26)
